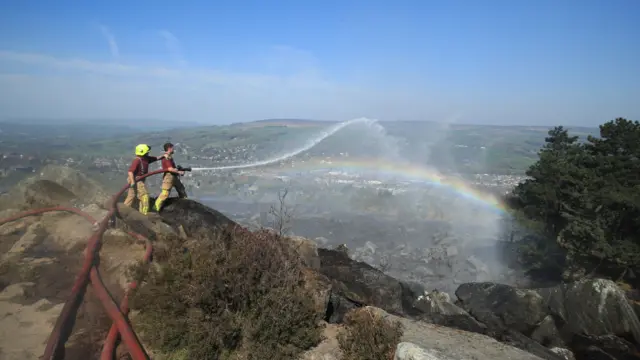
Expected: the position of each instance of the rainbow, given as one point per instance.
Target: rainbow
(403, 170)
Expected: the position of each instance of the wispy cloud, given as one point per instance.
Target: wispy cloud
(75, 87)
(142, 71)
(111, 40)
(51, 86)
(173, 46)
(73, 64)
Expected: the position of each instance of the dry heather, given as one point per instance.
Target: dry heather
(238, 296)
(368, 336)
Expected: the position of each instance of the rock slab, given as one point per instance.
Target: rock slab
(447, 344)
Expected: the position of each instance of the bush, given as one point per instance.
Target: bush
(368, 336)
(238, 296)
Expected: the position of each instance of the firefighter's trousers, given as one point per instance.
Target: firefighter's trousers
(170, 180)
(140, 190)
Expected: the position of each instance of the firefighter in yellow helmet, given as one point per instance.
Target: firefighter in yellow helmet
(140, 166)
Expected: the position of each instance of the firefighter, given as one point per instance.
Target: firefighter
(140, 166)
(170, 178)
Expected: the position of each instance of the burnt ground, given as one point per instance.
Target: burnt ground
(53, 272)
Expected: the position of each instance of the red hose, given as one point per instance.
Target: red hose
(89, 271)
(110, 344)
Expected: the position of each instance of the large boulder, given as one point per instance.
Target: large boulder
(55, 185)
(46, 193)
(593, 307)
(38, 193)
(502, 306)
(320, 288)
(357, 284)
(444, 343)
(85, 188)
(592, 317)
(510, 314)
(603, 347)
(194, 217)
(436, 308)
(150, 226)
(307, 249)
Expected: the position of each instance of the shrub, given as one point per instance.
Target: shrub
(238, 296)
(369, 336)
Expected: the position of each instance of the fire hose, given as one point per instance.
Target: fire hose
(89, 272)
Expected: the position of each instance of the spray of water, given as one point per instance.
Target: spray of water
(428, 235)
(308, 145)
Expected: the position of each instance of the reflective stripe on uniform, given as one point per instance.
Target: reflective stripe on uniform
(144, 204)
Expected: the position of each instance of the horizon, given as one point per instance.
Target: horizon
(509, 64)
(117, 122)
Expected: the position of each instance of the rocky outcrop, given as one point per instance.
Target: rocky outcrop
(409, 351)
(594, 318)
(357, 284)
(36, 276)
(518, 317)
(194, 218)
(151, 226)
(46, 193)
(603, 347)
(502, 306)
(436, 308)
(308, 251)
(591, 317)
(445, 343)
(54, 185)
(594, 307)
(40, 258)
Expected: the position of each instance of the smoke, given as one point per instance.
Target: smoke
(422, 232)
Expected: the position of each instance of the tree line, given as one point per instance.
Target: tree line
(582, 199)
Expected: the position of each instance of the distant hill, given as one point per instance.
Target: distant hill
(136, 124)
(293, 123)
(456, 147)
(415, 124)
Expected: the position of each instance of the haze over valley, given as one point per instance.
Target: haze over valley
(421, 200)
(374, 180)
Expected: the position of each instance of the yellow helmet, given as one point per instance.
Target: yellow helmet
(142, 149)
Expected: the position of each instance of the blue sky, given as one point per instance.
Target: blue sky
(572, 62)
